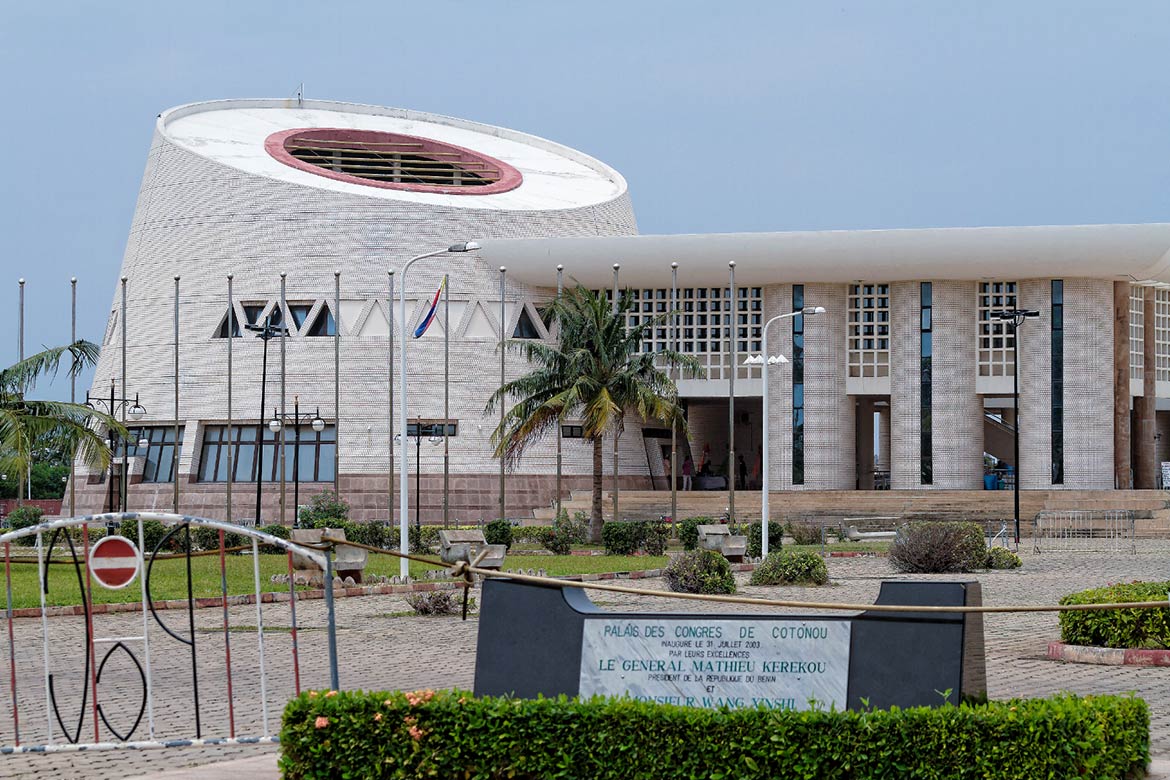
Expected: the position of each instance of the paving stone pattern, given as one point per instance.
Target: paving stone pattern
(382, 651)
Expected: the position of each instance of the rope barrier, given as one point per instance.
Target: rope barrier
(462, 569)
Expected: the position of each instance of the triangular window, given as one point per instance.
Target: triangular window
(525, 327)
(299, 313)
(229, 326)
(252, 312)
(323, 324)
(546, 315)
(376, 325)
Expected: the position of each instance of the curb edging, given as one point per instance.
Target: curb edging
(1107, 656)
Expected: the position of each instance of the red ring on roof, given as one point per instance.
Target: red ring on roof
(424, 153)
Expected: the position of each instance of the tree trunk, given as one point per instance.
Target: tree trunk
(595, 521)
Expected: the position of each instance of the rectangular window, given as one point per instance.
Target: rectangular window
(572, 432)
(1057, 379)
(925, 389)
(156, 445)
(869, 330)
(311, 452)
(996, 338)
(798, 386)
(433, 428)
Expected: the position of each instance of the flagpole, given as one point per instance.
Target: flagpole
(446, 396)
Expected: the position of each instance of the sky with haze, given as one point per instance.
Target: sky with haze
(723, 117)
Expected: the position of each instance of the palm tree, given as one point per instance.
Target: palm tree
(27, 425)
(596, 372)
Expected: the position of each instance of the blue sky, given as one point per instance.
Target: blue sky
(728, 116)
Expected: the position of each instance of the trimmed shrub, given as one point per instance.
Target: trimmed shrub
(938, 547)
(688, 531)
(324, 506)
(804, 532)
(26, 517)
(207, 538)
(277, 530)
(452, 734)
(153, 532)
(438, 602)
(374, 533)
(791, 568)
(1003, 558)
(753, 533)
(622, 538)
(1145, 628)
(699, 571)
(655, 536)
(498, 532)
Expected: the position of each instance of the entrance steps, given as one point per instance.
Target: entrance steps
(831, 506)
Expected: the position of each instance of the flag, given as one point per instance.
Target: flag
(426, 322)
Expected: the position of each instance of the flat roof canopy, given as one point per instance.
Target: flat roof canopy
(1140, 253)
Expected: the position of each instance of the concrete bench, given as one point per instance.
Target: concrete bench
(348, 561)
(720, 539)
(466, 545)
(853, 535)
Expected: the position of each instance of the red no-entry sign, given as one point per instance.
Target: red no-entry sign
(114, 561)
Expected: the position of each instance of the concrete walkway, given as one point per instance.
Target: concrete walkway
(254, 768)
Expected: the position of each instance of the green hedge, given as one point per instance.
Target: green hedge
(453, 735)
(1147, 628)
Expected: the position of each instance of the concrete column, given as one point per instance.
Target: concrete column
(904, 416)
(1145, 468)
(1121, 461)
(1035, 418)
(828, 410)
(864, 443)
(884, 438)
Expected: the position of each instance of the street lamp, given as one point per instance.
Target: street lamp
(1014, 319)
(265, 333)
(403, 483)
(135, 411)
(763, 359)
(297, 420)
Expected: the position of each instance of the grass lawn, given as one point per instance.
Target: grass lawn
(169, 580)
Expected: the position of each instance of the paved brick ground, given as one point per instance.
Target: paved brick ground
(386, 651)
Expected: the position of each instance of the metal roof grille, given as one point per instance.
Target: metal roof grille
(395, 161)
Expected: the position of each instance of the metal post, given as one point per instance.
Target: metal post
(617, 429)
(337, 382)
(296, 458)
(731, 470)
(175, 467)
(503, 341)
(280, 433)
(389, 401)
(765, 509)
(122, 487)
(73, 394)
(264, 336)
(560, 290)
(230, 427)
(331, 620)
(674, 424)
(1016, 411)
(27, 476)
(418, 481)
(446, 398)
(110, 437)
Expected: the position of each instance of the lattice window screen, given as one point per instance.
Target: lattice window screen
(869, 330)
(1137, 329)
(1162, 334)
(996, 341)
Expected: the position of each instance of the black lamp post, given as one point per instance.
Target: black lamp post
(418, 437)
(296, 420)
(135, 412)
(1014, 319)
(266, 333)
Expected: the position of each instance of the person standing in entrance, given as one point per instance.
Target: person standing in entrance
(688, 470)
(741, 471)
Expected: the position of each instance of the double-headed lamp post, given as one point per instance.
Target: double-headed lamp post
(418, 437)
(403, 476)
(135, 411)
(765, 360)
(296, 420)
(1015, 318)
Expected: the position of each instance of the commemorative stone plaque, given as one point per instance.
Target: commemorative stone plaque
(781, 664)
(546, 640)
